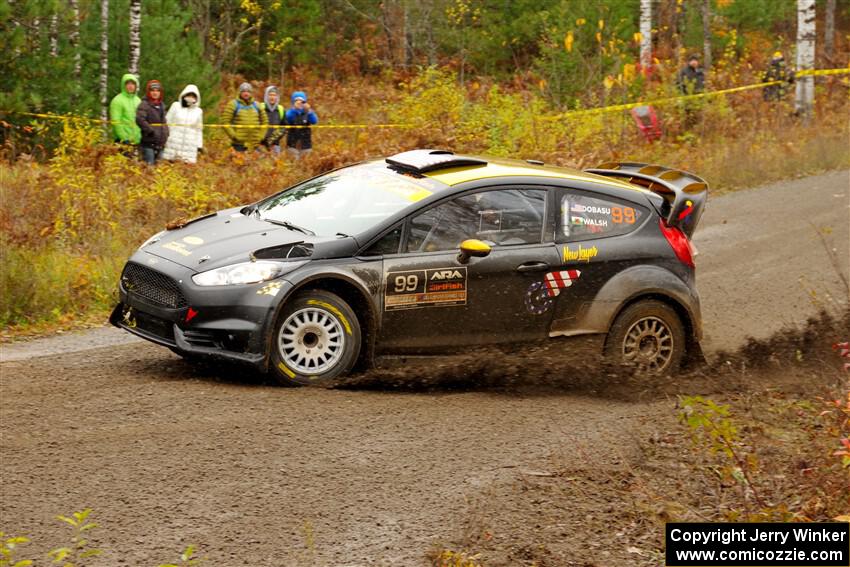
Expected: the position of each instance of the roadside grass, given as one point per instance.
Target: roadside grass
(68, 224)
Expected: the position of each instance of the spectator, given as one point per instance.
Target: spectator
(299, 140)
(274, 115)
(244, 118)
(150, 116)
(187, 127)
(777, 71)
(122, 112)
(691, 79)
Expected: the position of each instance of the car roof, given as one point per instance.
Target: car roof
(451, 170)
(515, 168)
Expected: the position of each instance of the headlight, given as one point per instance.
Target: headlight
(155, 238)
(245, 273)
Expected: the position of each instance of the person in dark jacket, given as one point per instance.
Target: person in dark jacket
(150, 116)
(777, 71)
(275, 116)
(299, 141)
(691, 79)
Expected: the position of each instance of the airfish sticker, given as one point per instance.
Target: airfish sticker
(439, 287)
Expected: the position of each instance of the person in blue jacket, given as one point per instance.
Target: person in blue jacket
(299, 141)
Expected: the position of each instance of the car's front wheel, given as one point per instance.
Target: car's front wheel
(648, 335)
(316, 338)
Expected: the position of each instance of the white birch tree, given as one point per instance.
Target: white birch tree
(135, 35)
(104, 58)
(645, 35)
(805, 93)
(74, 38)
(53, 32)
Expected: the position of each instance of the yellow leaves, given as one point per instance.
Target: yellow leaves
(608, 82)
(637, 37)
(599, 37)
(601, 25)
(629, 72)
(542, 84)
(581, 22)
(568, 41)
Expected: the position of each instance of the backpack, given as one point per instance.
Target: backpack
(240, 106)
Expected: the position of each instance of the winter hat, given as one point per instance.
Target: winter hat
(298, 94)
(150, 86)
(246, 87)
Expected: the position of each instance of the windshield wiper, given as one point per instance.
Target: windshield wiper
(288, 225)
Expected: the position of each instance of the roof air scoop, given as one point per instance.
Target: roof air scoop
(423, 161)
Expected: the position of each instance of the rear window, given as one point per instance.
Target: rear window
(583, 216)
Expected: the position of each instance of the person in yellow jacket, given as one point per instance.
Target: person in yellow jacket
(244, 111)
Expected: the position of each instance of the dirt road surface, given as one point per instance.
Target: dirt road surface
(253, 474)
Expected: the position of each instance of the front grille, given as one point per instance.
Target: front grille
(154, 286)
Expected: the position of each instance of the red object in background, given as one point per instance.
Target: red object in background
(190, 314)
(647, 122)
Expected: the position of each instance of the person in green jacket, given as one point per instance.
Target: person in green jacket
(122, 112)
(244, 111)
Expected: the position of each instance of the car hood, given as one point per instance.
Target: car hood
(230, 237)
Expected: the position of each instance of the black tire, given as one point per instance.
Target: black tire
(648, 335)
(316, 339)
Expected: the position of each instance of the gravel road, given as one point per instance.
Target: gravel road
(252, 474)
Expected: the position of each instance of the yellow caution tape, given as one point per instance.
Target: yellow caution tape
(560, 116)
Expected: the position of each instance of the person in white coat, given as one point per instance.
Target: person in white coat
(187, 133)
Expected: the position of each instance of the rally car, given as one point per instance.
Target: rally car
(428, 252)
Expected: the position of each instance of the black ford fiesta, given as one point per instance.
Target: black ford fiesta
(428, 252)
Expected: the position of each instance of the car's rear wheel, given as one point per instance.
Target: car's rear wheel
(649, 336)
(316, 338)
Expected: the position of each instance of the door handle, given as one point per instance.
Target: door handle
(532, 267)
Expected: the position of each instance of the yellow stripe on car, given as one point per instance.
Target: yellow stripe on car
(498, 168)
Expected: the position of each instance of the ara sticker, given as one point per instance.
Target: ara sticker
(425, 288)
(194, 240)
(579, 255)
(270, 289)
(178, 247)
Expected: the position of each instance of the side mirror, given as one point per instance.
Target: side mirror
(472, 248)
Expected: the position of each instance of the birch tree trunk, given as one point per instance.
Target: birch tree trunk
(74, 38)
(104, 57)
(829, 29)
(706, 34)
(135, 35)
(646, 35)
(54, 35)
(805, 93)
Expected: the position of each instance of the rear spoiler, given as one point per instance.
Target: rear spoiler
(684, 193)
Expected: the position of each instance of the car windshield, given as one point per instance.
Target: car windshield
(347, 201)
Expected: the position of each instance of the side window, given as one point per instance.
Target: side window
(388, 244)
(503, 217)
(583, 216)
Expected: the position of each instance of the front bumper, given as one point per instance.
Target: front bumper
(226, 322)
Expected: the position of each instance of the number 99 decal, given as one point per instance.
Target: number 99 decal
(406, 283)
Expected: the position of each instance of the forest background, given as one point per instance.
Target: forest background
(508, 78)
